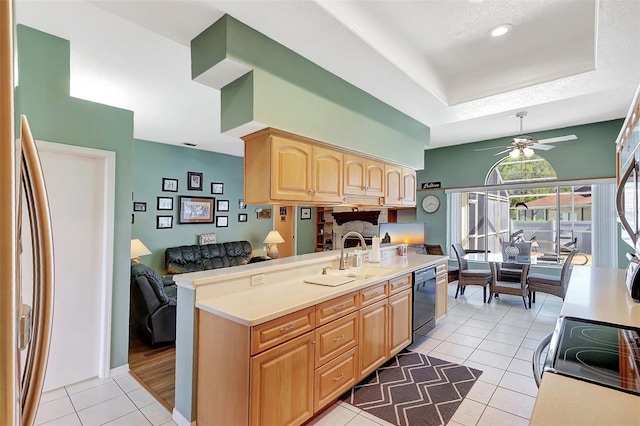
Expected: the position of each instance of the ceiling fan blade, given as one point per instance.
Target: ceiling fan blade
(558, 139)
(502, 152)
(543, 147)
(486, 149)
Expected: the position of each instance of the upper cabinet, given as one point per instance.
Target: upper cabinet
(400, 186)
(363, 177)
(282, 167)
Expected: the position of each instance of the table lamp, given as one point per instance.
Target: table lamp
(273, 239)
(138, 249)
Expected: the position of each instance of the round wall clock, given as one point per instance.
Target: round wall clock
(431, 203)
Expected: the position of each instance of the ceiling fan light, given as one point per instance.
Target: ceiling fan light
(528, 152)
(500, 30)
(515, 153)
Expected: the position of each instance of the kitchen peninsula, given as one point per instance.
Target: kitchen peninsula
(281, 350)
(596, 294)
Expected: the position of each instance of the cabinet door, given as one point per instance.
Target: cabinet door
(327, 175)
(374, 178)
(290, 170)
(373, 337)
(441, 290)
(400, 325)
(393, 183)
(278, 401)
(408, 187)
(355, 173)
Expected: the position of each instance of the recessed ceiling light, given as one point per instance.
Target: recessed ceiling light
(500, 30)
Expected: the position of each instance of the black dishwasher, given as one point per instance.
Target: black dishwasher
(424, 301)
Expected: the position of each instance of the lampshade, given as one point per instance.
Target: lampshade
(138, 249)
(515, 153)
(528, 152)
(273, 237)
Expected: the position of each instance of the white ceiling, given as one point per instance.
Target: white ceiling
(566, 62)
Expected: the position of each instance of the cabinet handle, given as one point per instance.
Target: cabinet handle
(335, 379)
(337, 339)
(339, 308)
(287, 328)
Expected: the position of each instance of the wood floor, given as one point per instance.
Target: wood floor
(154, 368)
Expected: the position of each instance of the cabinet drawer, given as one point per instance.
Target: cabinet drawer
(336, 308)
(441, 268)
(279, 330)
(335, 377)
(372, 294)
(335, 338)
(399, 283)
(441, 279)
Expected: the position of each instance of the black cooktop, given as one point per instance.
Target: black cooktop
(597, 352)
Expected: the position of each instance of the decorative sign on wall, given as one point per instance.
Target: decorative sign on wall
(431, 185)
(207, 238)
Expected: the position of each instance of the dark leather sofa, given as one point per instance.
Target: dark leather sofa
(183, 259)
(153, 304)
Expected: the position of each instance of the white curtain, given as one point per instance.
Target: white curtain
(454, 219)
(605, 247)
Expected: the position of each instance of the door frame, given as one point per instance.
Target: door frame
(108, 161)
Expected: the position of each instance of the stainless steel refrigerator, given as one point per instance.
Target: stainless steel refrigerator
(25, 325)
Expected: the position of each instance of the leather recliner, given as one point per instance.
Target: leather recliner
(153, 304)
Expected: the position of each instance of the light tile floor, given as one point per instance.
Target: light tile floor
(497, 338)
(117, 401)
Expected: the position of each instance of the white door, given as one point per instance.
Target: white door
(76, 188)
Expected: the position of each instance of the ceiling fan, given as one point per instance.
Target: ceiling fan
(522, 145)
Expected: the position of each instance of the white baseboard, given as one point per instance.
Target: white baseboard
(180, 419)
(119, 370)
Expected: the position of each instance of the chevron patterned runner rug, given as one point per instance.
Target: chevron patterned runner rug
(413, 389)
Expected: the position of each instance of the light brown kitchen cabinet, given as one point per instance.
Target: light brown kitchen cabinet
(281, 167)
(363, 177)
(441, 291)
(400, 324)
(373, 337)
(283, 371)
(326, 170)
(275, 401)
(400, 186)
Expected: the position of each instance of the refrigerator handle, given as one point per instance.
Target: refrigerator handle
(43, 271)
(620, 202)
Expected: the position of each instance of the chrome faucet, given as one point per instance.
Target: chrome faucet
(344, 237)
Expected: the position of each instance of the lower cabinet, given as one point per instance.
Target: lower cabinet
(441, 291)
(285, 370)
(400, 324)
(373, 337)
(282, 383)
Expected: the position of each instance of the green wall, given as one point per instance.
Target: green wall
(154, 161)
(289, 92)
(306, 233)
(592, 155)
(54, 116)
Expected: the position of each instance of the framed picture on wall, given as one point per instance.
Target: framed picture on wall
(169, 185)
(305, 213)
(222, 221)
(223, 206)
(196, 209)
(217, 188)
(194, 181)
(139, 207)
(242, 217)
(164, 222)
(165, 203)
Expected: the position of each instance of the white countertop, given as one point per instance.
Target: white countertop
(596, 294)
(255, 305)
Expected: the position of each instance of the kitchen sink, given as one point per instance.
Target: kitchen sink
(363, 272)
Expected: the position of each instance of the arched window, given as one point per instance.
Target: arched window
(520, 170)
